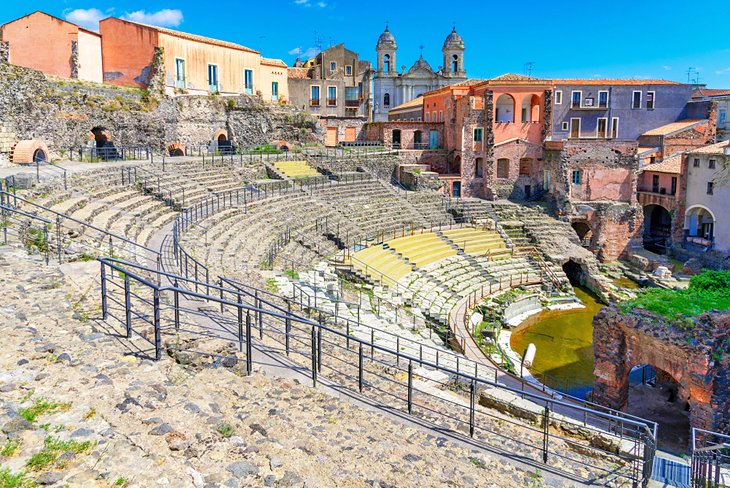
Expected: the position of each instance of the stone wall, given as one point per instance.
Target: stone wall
(64, 112)
(382, 167)
(4, 52)
(693, 357)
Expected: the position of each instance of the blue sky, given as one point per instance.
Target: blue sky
(568, 38)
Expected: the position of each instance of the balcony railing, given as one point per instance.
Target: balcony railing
(352, 103)
(657, 190)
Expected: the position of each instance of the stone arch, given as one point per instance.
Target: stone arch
(699, 222)
(657, 228)
(101, 136)
(221, 135)
(535, 108)
(503, 168)
(584, 231)
(29, 151)
(176, 149)
(504, 108)
(575, 272)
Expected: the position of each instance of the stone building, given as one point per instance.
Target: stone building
(722, 113)
(53, 46)
(336, 82)
(409, 112)
(706, 219)
(661, 194)
(186, 63)
(392, 88)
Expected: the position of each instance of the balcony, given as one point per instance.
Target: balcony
(656, 196)
(352, 103)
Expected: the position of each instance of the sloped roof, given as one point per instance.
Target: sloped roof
(416, 102)
(711, 149)
(298, 73)
(671, 165)
(608, 81)
(711, 92)
(675, 127)
(193, 37)
(273, 62)
(420, 64)
(40, 12)
(512, 77)
(646, 150)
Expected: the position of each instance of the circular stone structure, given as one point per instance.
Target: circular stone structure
(29, 151)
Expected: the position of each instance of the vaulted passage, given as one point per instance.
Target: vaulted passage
(657, 228)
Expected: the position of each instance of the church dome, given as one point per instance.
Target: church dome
(386, 40)
(454, 41)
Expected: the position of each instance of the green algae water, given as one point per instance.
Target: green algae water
(564, 342)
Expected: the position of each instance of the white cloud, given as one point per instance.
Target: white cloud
(86, 17)
(308, 3)
(321, 4)
(724, 71)
(301, 53)
(667, 68)
(162, 18)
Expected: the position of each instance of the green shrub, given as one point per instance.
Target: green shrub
(8, 479)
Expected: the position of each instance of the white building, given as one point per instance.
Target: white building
(391, 88)
(707, 220)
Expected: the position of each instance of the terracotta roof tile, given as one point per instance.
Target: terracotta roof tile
(675, 127)
(298, 73)
(711, 92)
(711, 149)
(672, 165)
(273, 62)
(418, 101)
(578, 81)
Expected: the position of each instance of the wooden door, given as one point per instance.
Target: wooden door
(331, 140)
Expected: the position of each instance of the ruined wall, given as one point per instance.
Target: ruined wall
(64, 112)
(622, 341)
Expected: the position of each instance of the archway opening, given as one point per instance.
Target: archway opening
(101, 136)
(699, 226)
(505, 109)
(657, 228)
(396, 138)
(176, 151)
(574, 272)
(584, 232)
(535, 108)
(417, 139)
(40, 156)
(656, 395)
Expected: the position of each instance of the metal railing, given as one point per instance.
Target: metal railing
(50, 170)
(19, 224)
(69, 236)
(109, 153)
(171, 192)
(168, 319)
(710, 466)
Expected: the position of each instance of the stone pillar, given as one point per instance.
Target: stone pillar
(547, 114)
(489, 170)
(74, 60)
(4, 52)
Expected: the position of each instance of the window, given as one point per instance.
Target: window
(314, 101)
(564, 126)
(359, 90)
(348, 70)
(386, 63)
(248, 81)
(179, 73)
(478, 134)
(479, 168)
(333, 66)
(636, 99)
(331, 96)
(576, 177)
(441, 115)
(428, 117)
(525, 166)
(711, 164)
(558, 98)
(614, 128)
(601, 128)
(433, 116)
(575, 128)
(722, 117)
(525, 118)
(454, 63)
(386, 100)
(650, 100)
(503, 168)
(213, 78)
(674, 186)
(274, 90)
(710, 187)
(602, 99)
(576, 98)
(655, 183)
(696, 162)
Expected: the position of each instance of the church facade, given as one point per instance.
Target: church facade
(392, 88)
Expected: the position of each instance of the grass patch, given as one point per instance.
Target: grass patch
(707, 291)
(121, 481)
(10, 448)
(8, 479)
(226, 430)
(292, 274)
(53, 447)
(42, 406)
(271, 285)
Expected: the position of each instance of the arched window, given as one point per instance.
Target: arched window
(454, 63)
(503, 168)
(479, 168)
(386, 63)
(505, 109)
(386, 100)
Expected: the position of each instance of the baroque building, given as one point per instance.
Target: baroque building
(392, 88)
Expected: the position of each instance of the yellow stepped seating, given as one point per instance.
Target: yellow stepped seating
(380, 265)
(477, 241)
(422, 249)
(296, 169)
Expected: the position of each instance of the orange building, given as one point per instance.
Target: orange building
(53, 46)
(493, 131)
(191, 63)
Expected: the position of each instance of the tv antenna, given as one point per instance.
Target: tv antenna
(689, 74)
(528, 68)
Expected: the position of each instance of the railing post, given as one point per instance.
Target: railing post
(287, 326)
(158, 332)
(360, 367)
(249, 359)
(410, 387)
(240, 324)
(104, 308)
(314, 356)
(472, 405)
(127, 306)
(546, 433)
(176, 304)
